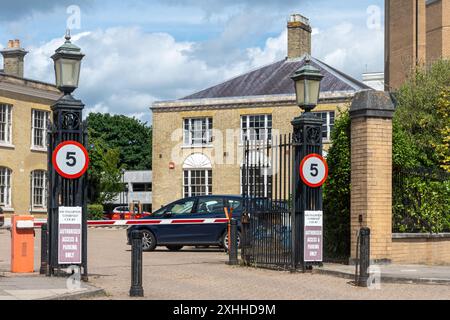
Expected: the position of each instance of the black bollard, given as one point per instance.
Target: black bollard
(364, 263)
(44, 249)
(233, 244)
(136, 265)
(245, 225)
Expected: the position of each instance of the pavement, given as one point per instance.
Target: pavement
(202, 274)
(394, 273)
(34, 286)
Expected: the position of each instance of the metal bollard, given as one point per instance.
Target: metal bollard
(136, 289)
(245, 225)
(44, 249)
(364, 263)
(233, 244)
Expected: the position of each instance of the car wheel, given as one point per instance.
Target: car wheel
(174, 248)
(224, 242)
(148, 241)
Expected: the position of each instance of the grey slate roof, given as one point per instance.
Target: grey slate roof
(275, 79)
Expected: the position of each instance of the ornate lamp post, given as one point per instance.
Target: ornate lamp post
(67, 125)
(307, 140)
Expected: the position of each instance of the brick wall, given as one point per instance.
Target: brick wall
(438, 30)
(427, 250)
(401, 53)
(371, 194)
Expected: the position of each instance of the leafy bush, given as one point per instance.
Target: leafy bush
(423, 109)
(337, 191)
(95, 212)
(421, 202)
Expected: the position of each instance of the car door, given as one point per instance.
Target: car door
(172, 229)
(208, 210)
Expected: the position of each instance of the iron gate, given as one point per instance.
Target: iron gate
(267, 240)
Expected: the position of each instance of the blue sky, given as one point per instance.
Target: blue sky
(139, 51)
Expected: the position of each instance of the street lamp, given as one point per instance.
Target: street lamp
(67, 59)
(306, 141)
(307, 85)
(67, 125)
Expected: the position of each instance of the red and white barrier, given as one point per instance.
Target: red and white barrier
(144, 222)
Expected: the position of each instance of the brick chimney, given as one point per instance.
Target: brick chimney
(13, 59)
(299, 36)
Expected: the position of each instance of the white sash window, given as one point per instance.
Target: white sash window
(5, 187)
(5, 124)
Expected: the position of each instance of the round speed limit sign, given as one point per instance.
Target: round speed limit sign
(314, 170)
(71, 160)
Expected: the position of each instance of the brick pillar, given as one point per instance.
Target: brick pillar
(371, 160)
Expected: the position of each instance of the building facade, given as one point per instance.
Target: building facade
(198, 140)
(417, 33)
(138, 187)
(24, 111)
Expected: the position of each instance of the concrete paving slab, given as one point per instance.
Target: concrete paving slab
(40, 288)
(394, 273)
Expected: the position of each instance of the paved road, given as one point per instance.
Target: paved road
(203, 274)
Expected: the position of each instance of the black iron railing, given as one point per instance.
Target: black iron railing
(267, 185)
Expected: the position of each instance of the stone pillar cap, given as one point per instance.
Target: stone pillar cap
(372, 104)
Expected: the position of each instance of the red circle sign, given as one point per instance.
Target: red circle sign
(70, 159)
(314, 170)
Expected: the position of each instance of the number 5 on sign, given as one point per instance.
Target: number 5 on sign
(314, 170)
(70, 160)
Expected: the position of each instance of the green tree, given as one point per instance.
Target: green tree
(443, 148)
(104, 172)
(130, 136)
(418, 115)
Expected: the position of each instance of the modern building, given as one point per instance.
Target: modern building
(198, 140)
(375, 80)
(417, 33)
(138, 189)
(24, 111)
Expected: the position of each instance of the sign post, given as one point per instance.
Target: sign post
(310, 172)
(68, 162)
(314, 173)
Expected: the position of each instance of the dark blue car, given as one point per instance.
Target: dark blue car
(196, 221)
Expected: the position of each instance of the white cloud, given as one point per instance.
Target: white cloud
(126, 69)
(274, 50)
(350, 48)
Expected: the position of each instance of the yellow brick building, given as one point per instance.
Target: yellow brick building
(417, 33)
(24, 110)
(198, 140)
